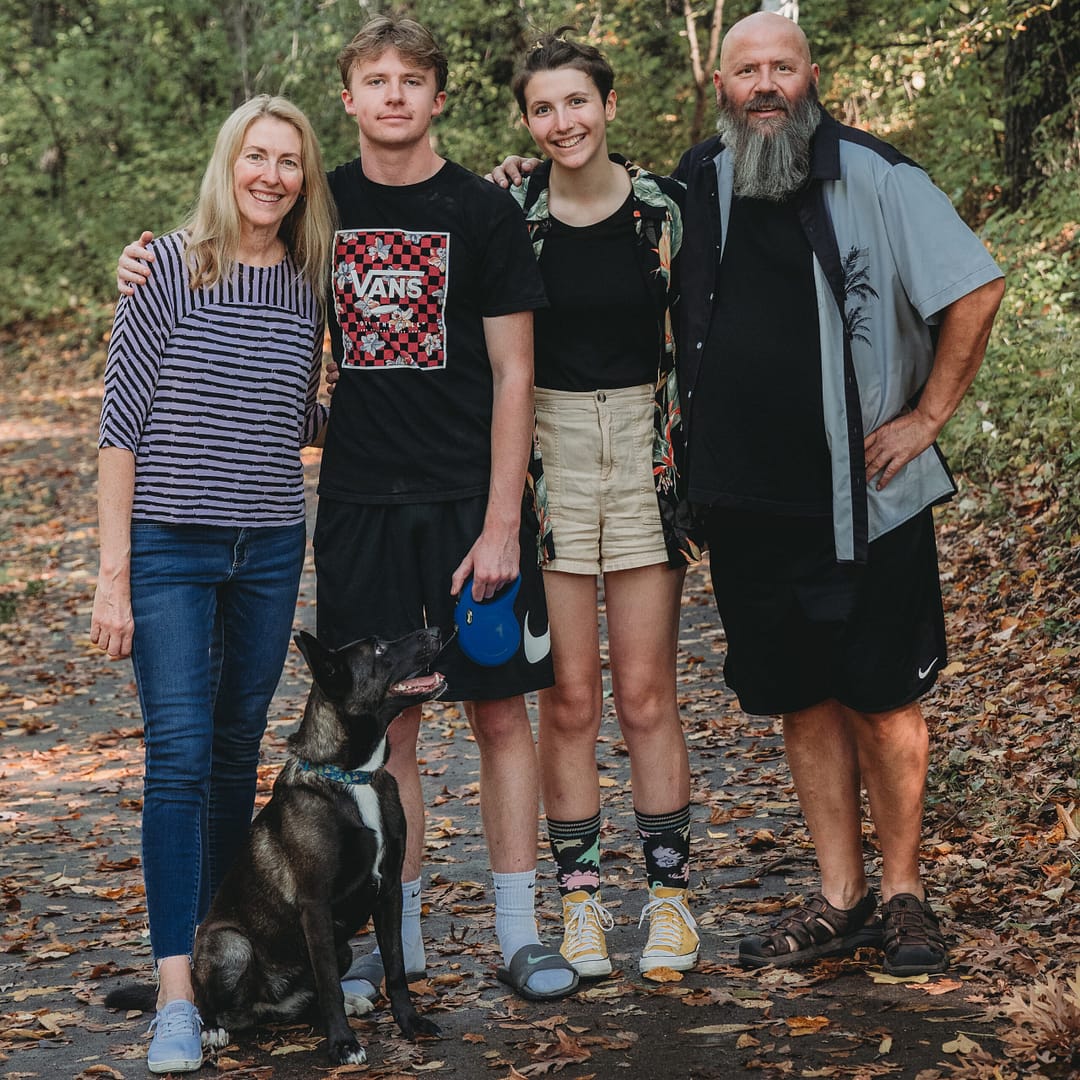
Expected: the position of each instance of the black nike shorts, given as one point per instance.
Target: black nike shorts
(802, 629)
(384, 570)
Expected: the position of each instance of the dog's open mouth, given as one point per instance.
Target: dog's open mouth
(420, 684)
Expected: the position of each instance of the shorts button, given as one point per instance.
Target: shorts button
(601, 396)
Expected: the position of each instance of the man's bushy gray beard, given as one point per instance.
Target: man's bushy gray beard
(770, 163)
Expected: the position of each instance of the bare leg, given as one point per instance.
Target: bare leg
(509, 787)
(174, 980)
(894, 754)
(403, 734)
(822, 754)
(643, 607)
(509, 806)
(570, 710)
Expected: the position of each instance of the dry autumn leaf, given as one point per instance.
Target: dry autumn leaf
(719, 1029)
(805, 1025)
(663, 975)
(960, 1045)
(940, 986)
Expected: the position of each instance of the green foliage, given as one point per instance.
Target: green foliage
(1021, 420)
(929, 79)
(108, 110)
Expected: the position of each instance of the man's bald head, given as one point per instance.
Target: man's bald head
(765, 28)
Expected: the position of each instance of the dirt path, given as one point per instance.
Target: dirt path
(73, 906)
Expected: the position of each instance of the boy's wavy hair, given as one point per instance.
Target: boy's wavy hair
(410, 38)
(552, 51)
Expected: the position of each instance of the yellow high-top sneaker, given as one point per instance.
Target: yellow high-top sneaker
(673, 939)
(584, 921)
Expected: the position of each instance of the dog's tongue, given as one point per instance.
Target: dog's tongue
(421, 684)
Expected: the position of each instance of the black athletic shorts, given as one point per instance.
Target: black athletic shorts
(384, 570)
(802, 629)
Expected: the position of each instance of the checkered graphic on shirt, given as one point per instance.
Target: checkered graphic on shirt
(390, 297)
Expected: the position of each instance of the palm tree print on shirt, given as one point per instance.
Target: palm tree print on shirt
(857, 285)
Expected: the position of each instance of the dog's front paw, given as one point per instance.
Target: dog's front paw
(215, 1039)
(348, 1052)
(357, 1005)
(420, 1025)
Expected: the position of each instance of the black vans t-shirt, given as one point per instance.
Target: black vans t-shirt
(601, 331)
(758, 437)
(416, 269)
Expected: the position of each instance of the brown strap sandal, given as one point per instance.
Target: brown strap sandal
(914, 944)
(811, 931)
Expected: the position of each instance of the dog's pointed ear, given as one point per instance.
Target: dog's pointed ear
(326, 665)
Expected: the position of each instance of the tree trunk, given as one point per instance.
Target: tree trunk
(43, 23)
(702, 69)
(238, 30)
(1040, 64)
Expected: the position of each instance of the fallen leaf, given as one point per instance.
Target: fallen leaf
(719, 1029)
(960, 1045)
(289, 1048)
(806, 1025)
(940, 986)
(663, 975)
(892, 980)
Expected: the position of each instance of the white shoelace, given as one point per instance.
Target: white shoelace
(586, 928)
(664, 932)
(171, 1022)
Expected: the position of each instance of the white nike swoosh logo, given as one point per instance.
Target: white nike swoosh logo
(536, 648)
(923, 672)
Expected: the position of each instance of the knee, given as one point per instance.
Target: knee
(238, 750)
(901, 728)
(499, 725)
(571, 708)
(644, 706)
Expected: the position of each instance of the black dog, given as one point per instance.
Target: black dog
(323, 856)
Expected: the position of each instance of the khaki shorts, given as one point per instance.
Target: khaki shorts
(598, 465)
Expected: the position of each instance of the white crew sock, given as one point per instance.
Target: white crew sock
(515, 926)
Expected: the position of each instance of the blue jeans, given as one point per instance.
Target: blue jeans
(213, 608)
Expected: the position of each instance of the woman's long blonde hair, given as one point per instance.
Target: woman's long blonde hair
(213, 227)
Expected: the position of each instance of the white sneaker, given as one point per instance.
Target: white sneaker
(673, 939)
(584, 921)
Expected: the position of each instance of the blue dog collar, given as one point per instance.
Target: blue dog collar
(332, 772)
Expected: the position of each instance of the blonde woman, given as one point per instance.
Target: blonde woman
(210, 392)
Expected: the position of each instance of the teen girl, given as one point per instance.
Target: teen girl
(606, 235)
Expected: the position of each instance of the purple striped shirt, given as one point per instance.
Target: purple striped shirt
(214, 392)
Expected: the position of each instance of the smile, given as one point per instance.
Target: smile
(568, 144)
(266, 196)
